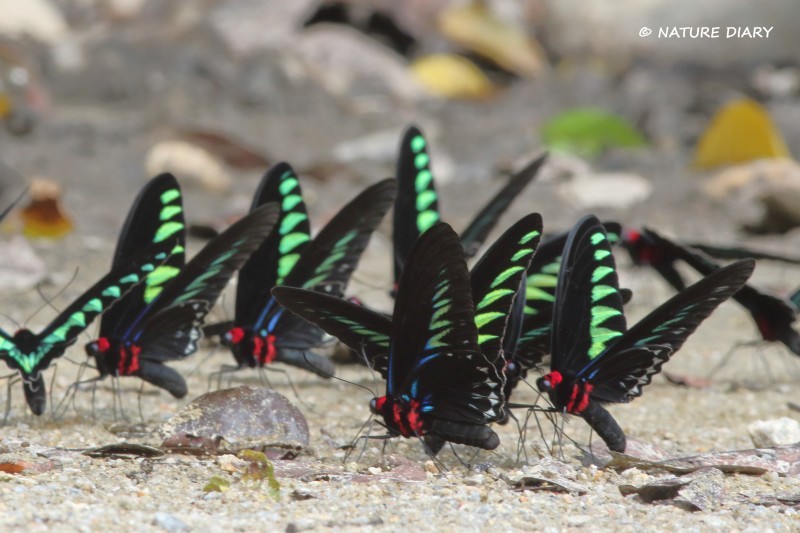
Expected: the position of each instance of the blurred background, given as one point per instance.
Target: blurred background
(688, 133)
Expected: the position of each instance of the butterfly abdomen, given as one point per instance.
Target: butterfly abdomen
(470, 434)
(606, 427)
(35, 394)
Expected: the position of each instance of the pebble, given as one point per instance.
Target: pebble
(169, 522)
(190, 164)
(776, 432)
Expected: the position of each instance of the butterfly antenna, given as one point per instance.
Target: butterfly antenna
(48, 301)
(17, 325)
(371, 392)
(729, 356)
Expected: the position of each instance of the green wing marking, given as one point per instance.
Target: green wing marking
(502, 267)
(293, 214)
(171, 218)
(70, 323)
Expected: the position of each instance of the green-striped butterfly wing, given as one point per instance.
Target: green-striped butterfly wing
(330, 259)
(496, 279)
(207, 274)
(156, 216)
(278, 254)
(365, 331)
(630, 361)
(540, 295)
(587, 315)
(417, 206)
(30, 353)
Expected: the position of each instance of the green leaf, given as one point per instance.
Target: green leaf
(589, 131)
(217, 484)
(259, 469)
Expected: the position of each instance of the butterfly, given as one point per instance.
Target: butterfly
(533, 342)
(594, 358)
(772, 314)
(161, 320)
(740, 252)
(440, 351)
(262, 331)
(417, 205)
(31, 353)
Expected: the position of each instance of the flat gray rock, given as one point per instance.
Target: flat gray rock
(245, 417)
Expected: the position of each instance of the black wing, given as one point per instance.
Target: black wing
(496, 278)
(417, 205)
(630, 361)
(475, 235)
(207, 274)
(588, 314)
(330, 259)
(280, 251)
(362, 329)
(155, 216)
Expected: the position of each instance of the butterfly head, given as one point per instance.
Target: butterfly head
(376, 405)
(550, 382)
(26, 340)
(98, 348)
(233, 337)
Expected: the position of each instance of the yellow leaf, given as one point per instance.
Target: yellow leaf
(452, 76)
(5, 105)
(741, 131)
(476, 28)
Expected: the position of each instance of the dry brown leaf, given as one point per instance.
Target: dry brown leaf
(475, 27)
(234, 153)
(44, 216)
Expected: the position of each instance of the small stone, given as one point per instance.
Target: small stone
(374, 470)
(431, 468)
(776, 432)
(169, 522)
(245, 417)
(190, 163)
(231, 463)
(616, 190)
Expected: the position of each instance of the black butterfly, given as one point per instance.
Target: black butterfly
(262, 331)
(441, 351)
(160, 320)
(31, 353)
(533, 343)
(740, 252)
(772, 314)
(417, 205)
(594, 359)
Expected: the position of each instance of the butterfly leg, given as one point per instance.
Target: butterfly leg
(219, 374)
(139, 403)
(13, 379)
(729, 355)
(270, 368)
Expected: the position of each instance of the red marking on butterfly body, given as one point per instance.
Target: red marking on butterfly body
(128, 359)
(102, 344)
(764, 327)
(579, 398)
